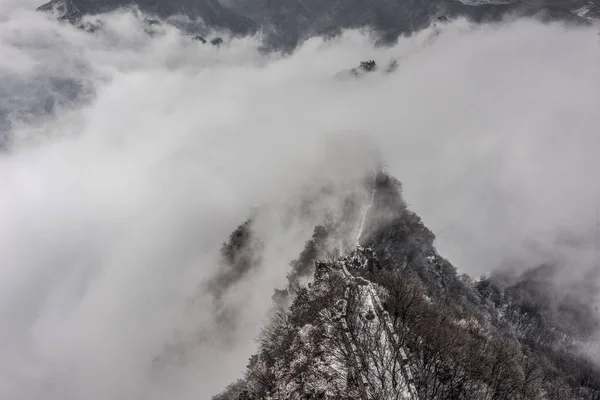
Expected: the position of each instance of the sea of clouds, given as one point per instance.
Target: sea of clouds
(128, 159)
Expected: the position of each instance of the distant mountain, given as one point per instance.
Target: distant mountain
(210, 12)
(372, 311)
(292, 20)
(286, 22)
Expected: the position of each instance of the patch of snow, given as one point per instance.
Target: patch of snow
(364, 217)
(582, 11)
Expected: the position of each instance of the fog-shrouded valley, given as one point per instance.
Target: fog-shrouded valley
(302, 199)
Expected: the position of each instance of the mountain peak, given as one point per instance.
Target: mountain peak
(391, 319)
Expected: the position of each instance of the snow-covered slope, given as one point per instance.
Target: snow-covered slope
(389, 318)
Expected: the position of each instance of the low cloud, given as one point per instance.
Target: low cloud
(129, 159)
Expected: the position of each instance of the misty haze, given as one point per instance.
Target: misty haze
(301, 199)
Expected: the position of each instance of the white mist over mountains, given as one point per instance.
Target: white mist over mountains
(131, 159)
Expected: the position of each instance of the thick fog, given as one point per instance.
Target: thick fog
(129, 158)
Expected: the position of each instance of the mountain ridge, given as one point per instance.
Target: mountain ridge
(286, 23)
(389, 318)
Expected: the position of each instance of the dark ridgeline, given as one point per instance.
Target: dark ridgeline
(285, 23)
(211, 12)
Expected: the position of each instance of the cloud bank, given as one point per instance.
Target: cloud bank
(129, 159)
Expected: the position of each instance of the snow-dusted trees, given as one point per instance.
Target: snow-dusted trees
(380, 353)
(409, 327)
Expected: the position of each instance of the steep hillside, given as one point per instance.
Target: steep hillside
(392, 319)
